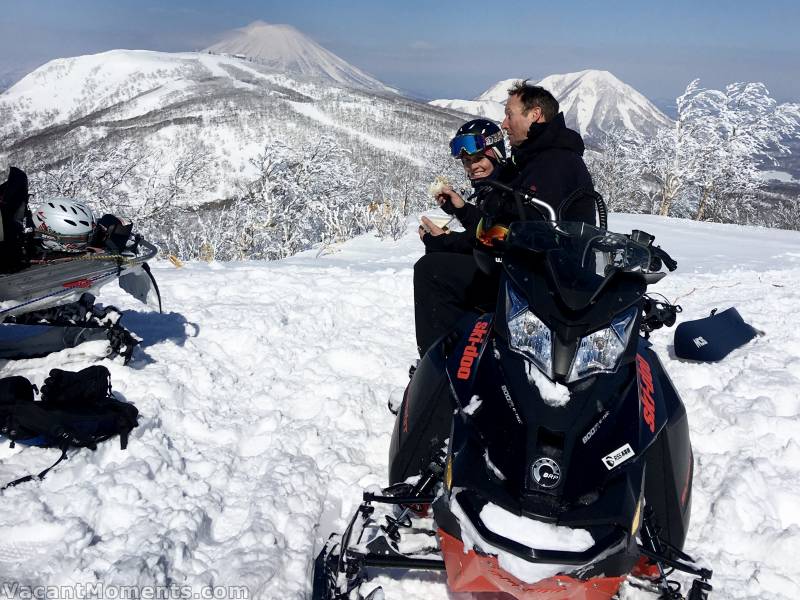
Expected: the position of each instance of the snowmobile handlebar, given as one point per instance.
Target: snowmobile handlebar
(545, 208)
(659, 257)
(519, 197)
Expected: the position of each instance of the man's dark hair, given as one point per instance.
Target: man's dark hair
(534, 96)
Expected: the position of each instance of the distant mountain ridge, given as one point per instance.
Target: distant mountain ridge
(285, 49)
(224, 109)
(593, 102)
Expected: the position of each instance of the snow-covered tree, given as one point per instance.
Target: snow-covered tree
(615, 176)
(735, 129)
(705, 166)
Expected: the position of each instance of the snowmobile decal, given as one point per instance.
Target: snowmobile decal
(546, 472)
(80, 283)
(472, 349)
(618, 456)
(595, 427)
(646, 389)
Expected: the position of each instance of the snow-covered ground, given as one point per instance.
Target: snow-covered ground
(263, 393)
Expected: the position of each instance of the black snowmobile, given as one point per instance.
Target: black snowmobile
(46, 300)
(540, 450)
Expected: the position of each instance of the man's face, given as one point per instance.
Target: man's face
(517, 123)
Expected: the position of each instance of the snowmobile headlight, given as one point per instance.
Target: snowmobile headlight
(527, 334)
(599, 352)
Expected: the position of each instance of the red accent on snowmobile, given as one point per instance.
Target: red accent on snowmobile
(645, 569)
(472, 349)
(473, 572)
(646, 389)
(79, 283)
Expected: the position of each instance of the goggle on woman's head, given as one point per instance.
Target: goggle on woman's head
(472, 144)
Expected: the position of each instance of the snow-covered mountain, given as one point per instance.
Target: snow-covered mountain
(592, 101)
(285, 49)
(225, 108)
(497, 93)
(262, 392)
(480, 108)
(596, 101)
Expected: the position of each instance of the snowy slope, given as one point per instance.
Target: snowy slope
(285, 49)
(263, 395)
(223, 108)
(592, 101)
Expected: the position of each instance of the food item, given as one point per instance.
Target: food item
(439, 221)
(438, 185)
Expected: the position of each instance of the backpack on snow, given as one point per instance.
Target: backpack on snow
(76, 410)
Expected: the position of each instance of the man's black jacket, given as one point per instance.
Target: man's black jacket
(550, 167)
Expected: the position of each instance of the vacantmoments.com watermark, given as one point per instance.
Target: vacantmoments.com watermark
(101, 591)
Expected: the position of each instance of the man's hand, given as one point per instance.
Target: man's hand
(449, 200)
(429, 226)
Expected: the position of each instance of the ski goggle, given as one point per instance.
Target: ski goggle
(473, 143)
(469, 143)
(489, 234)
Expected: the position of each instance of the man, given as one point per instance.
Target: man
(547, 155)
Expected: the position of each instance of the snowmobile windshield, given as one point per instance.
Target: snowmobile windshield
(580, 257)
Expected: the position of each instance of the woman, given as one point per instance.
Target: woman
(447, 282)
(480, 146)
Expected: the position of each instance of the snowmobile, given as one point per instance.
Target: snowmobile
(53, 260)
(540, 450)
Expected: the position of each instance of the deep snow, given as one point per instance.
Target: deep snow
(263, 393)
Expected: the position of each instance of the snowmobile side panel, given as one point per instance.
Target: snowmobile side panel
(423, 420)
(670, 466)
(462, 364)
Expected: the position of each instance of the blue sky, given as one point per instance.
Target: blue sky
(449, 49)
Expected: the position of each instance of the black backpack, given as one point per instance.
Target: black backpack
(76, 410)
(16, 225)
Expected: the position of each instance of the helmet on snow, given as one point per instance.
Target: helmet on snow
(64, 224)
(475, 136)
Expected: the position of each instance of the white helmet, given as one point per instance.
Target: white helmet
(64, 224)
